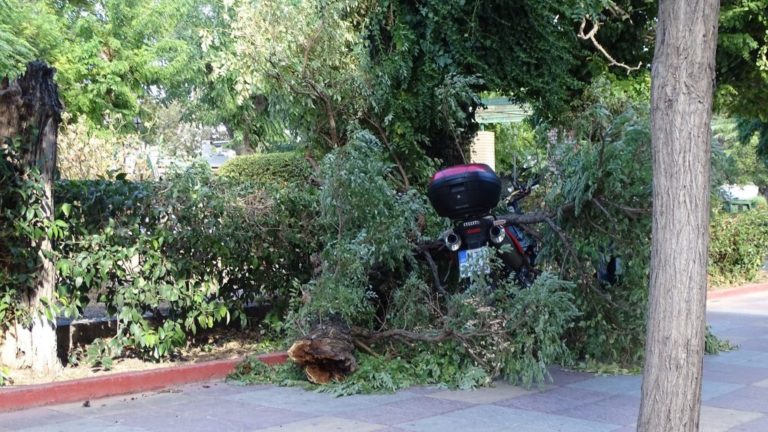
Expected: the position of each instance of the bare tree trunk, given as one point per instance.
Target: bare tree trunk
(681, 110)
(30, 110)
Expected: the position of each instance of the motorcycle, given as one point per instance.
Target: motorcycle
(467, 194)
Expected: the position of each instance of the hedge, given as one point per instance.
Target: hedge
(738, 246)
(276, 169)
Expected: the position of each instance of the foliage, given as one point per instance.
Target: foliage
(742, 58)
(516, 147)
(369, 275)
(15, 52)
(751, 130)
(521, 351)
(311, 92)
(173, 257)
(445, 365)
(713, 345)
(28, 31)
(23, 225)
(602, 166)
(98, 354)
(114, 52)
(5, 376)
(254, 371)
(741, 164)
(738, 246)
(364, 224)
(88, 152)
(173, 134)
(279, 169)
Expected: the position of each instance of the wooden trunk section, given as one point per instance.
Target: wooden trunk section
(326, 353)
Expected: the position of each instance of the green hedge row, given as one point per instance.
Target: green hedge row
(267, 169)
(194, 248)
(738, 246)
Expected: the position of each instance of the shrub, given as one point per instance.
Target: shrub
(737, 247)
(23, 226)
(171, 257)
(267, 169)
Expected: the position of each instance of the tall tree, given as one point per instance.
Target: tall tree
(682, 85)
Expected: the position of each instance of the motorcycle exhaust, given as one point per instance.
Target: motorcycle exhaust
(497, 234)
(452, 241)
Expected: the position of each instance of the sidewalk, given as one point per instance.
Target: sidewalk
(735, 398)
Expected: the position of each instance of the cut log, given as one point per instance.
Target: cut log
(326, 353)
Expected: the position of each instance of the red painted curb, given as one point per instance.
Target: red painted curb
(22, 397)
(732, 292)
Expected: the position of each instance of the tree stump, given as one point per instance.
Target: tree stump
(325, 353)
(30, 110)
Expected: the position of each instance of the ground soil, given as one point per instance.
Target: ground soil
(218, 344)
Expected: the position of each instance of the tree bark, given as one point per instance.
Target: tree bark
(30, 110)
(681, 109)
(326, 353)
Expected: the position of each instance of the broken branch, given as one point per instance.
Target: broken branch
(591, 37)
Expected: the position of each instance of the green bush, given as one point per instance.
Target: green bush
(267, 169)
(737, 247)
(171, 257)
(23, 226)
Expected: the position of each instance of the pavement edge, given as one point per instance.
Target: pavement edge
(59, 392)
(732, 292)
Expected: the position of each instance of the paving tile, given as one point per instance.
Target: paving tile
(326, 424)
(617, 409)
(621, 384)
(712, 389)
(296, 399)
(404, 411)
(749, 398)
(424, 390)
(755, 344)
(628, 428)
(726, 373)
(559, 398)
(161, 420)
(122, 404)
(742, 357)
(563, 377)
(236, 414)
(216, 389)
(485, 395)
(490, 418)
(720, 419)
(83, 425)
(758, 425)
(34, 417)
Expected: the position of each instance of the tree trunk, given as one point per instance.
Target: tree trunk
(30, 110)
(326, 353)
(681, 110)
